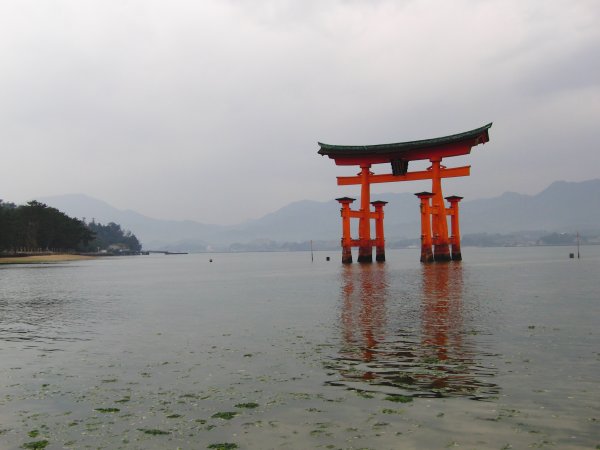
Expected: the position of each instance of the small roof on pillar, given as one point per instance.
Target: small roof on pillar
(452, 145)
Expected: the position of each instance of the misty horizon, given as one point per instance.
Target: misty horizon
(44, 199)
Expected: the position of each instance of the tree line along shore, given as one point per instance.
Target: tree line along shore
(35, 232)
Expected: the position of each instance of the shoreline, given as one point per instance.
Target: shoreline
(42, 259)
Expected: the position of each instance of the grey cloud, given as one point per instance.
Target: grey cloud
(212, 110)
(577, 69)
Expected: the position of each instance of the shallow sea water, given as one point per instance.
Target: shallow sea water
(271, 350)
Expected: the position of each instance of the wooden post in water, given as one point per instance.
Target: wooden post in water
(441, 250)
(379, 236)
(365, 246)
(346, 238)
(426, 240)
(455, 231)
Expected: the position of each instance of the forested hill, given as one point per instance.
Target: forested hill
(112, 237)
(35, 227)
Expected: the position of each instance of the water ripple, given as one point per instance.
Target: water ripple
(43, 307)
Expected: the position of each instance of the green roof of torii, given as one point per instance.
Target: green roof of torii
(481, 134)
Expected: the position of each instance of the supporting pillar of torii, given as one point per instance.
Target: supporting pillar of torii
(426, 240)
(441, 249)
(454, 222)
(364, 242)
(379, 234)
(365, 247)
(346, 238)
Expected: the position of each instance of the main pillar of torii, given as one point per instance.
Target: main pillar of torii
(434, 223)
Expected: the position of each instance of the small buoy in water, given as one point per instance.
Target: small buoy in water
(571, 255)
(210, 260)
(327, 258)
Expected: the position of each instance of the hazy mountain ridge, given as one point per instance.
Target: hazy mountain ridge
(561, 207)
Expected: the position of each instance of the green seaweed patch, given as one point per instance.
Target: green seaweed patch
(399, 398)
(107, 410)
(404, 379)
(173, 416)
(226, 415)
(249, 405)
(33, 433)
(431, 360)
(153, 431)
(391, 411)
(223, 446)
(35, 444)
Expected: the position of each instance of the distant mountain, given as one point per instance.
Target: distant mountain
(562, 207)
(153, 233)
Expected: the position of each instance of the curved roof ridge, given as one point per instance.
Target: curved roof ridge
(327, 149)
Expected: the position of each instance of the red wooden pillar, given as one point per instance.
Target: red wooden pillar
(454, 222)
(365, 247)
(379, 236)
(426, 240)
(346, 238)
(441, 248)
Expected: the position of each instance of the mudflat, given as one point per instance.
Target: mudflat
(42, 259)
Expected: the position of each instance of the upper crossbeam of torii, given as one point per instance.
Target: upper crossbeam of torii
(435, 242)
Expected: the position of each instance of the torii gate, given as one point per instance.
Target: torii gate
(435, 242)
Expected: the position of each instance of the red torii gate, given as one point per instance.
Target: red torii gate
(435, 242)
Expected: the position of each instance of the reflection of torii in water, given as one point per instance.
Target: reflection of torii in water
(442, 311)
(363, 311)
(384, 348)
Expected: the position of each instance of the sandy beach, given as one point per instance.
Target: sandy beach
(42, 259)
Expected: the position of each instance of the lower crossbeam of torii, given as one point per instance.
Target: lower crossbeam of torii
(436, 243)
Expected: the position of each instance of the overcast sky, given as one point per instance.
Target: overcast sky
(211, 110)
